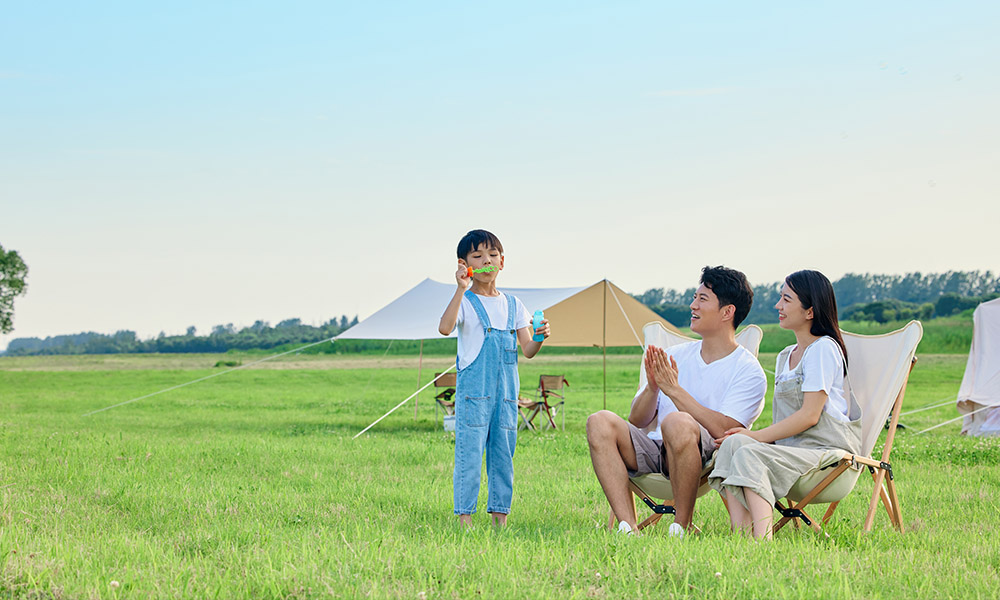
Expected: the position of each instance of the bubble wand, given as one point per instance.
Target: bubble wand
(487, 269)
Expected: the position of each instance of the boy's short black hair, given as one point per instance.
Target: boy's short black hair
(476, 238)
(730, 287)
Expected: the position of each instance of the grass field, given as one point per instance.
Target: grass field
(250, 485)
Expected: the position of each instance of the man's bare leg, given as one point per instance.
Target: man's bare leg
(682, 443)
(612, 455)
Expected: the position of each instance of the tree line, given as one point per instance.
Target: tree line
(867, 297)
(878, 298)
(260, 335)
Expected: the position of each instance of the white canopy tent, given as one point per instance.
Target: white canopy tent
(599, 315)
(415, 314)
(979, 394)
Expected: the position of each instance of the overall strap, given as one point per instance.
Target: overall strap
(484, 319)
(783, 361)
(511, 309)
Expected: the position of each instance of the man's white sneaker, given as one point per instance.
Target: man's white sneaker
(675, 530)
(625, 529)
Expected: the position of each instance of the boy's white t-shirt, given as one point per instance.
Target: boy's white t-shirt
(470, 330)
(822, 371)
(734, 385)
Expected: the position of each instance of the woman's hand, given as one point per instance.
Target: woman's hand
(734, 431)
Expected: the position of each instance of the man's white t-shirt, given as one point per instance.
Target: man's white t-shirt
(822, 371)
(734, 385)
(470, 329)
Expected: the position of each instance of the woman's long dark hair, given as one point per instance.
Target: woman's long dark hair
(816, 292)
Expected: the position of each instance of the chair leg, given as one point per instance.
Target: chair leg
(548, 417)
(891, 503)
(829, 511)
(528, 420)
(651, 520)
(897, 511)
(780, 522)
(879, 475)
(815, 524)
(884, 496)
(534, 415)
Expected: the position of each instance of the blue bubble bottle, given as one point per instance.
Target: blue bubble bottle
(536, 322)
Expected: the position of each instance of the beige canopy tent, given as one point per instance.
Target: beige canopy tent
(603, 316)
(600, 315)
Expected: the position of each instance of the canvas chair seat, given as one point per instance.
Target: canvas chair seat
(658, 486)
(878, 369)
(648, 486)
(834, 492)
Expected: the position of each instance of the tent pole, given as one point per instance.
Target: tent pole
(604, 343)
(419, 367)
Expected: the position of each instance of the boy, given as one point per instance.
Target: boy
(490, 324)
(694, 392)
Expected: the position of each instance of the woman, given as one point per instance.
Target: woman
(815, 420)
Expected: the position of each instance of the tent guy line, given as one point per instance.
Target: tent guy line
(946, 402)
(256, 362)
(981, 408)
(625, 314)
(393, 409)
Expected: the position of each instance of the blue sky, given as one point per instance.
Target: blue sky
(188, 164)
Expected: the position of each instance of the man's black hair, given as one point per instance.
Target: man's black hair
(730, 287)
(476, 238)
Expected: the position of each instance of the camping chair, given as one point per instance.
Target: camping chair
(445, 398)
(655, 485)
(878, 369)
(549, 387)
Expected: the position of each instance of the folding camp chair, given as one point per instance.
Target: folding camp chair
(445, 398)
(550, 387)
(648, 486)
(878, 369)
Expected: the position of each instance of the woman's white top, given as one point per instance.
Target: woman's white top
(822, 371)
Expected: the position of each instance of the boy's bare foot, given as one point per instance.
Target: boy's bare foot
(499, 519)
(465, 520)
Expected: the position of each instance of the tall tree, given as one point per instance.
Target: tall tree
(13, 272)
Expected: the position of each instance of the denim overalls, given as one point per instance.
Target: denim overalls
(486, 416)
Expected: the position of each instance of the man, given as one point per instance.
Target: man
(695, 392)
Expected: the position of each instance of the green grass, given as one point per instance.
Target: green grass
(250, 485)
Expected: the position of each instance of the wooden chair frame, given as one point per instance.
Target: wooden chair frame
(881, 471)
(661, 507)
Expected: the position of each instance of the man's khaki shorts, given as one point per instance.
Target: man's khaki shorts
(650, 457)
